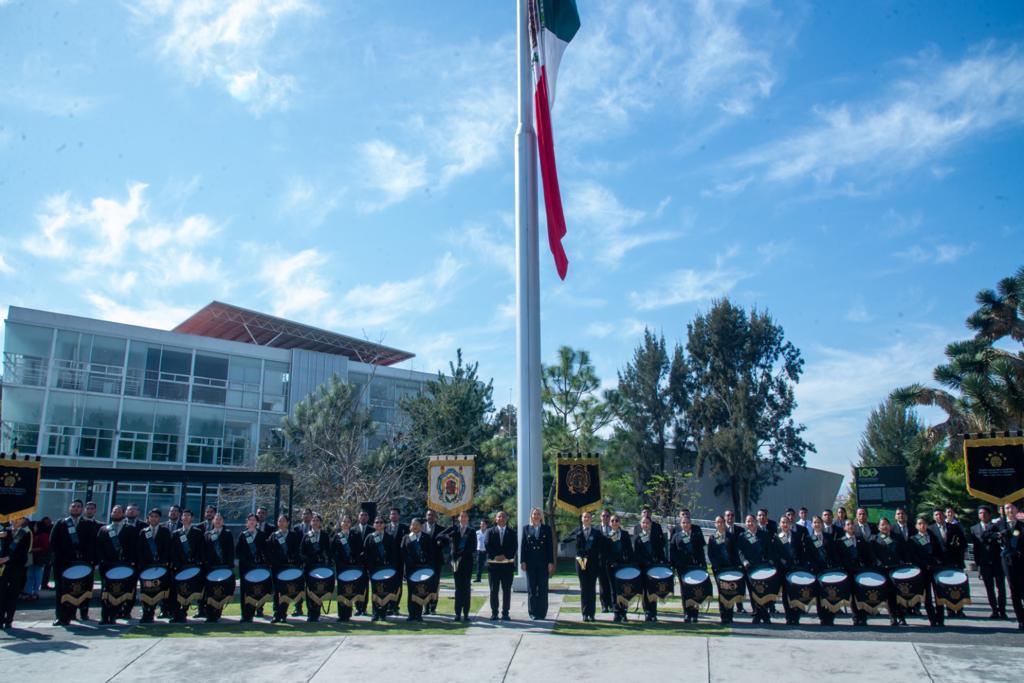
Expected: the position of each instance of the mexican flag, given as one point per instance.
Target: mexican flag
(553, 23)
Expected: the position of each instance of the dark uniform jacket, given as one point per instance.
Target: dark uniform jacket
(1011, 535)
(905, 536)
(954, 543)
(657, 535)
(618, 551)
(72, 542)
(648, 552)
(821, 553)
(417, 552)
(358, 538)
(345, 552)
(380, 553)
(854, 554)
(588, 546)
(686, 550)
(722, 551)
(286, 554)
(985, 542)
(315, 549)
(888, 552)
(437, 537)
(219, 548)
(153, 547)
(15, 545)
(249, 549)
(496, 545)
(187, 547)
(397, 531)
(925, 551)
(752, 548)
(789, 553)
(462, 543)
(116, 546)
(866, 531)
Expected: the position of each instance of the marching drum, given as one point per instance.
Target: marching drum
(351, 587)
(834, 590)
(420, 581)
(731, 587)
(290, 586)
(220, 587)
(628, 585)
(696, 588)
(384, 584)
(951, 588)
(77, 584)
(765, 584)
(869, 591)
(320, 584)
(257, 586)
(908, 585)
(118, 585)
(154, 585)
(801, 589)
(188, 584)
(659, 582)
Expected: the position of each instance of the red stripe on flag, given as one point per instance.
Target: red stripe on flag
(549, 175)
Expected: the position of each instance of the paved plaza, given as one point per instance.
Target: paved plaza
(971, 649)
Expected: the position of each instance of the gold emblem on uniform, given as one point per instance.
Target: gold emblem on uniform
(805, 594)
(421, 589)
(578, 479)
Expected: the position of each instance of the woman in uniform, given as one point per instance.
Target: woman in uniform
(15, 544)
(648, 551)
(854, 554)
(924, 551)
(887, 555)
(821, 557)
(218, 553)
(752, 549)
(722, 556)
(346, 556)
(315, 552)
(282, 551)
(249, 551)
(619, 551)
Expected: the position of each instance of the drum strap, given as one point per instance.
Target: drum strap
(250, 539)
(72, 531)
(115, 542)
(183, 537)
(215, 539)
(151, 537)
(16, 539)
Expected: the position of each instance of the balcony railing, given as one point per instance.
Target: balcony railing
(94, 377)
(25, 370)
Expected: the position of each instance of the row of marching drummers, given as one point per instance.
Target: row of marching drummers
(169, 571)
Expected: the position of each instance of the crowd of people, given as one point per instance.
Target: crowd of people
(810, 564)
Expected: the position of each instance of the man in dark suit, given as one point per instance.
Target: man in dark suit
(604, 582)
(380, 552)
(956, 543)
(765, 523)
(903, 528)
(461, 539)
(588, 550)
(417, 552)
(263, 523)
(987, 551)
(70, 542)
(656, 534)
(828, 528)
(734, 531)
(537, 559)
(795, 528)
(115, 546)
(722, 555)
(686, 552)
(854, 554)
(501, 563)
(862, 527)
(1011, 534)
(173, 522)
(397, 530)
(153, 548)
(435, 533)
(358, 533)
(208, 515)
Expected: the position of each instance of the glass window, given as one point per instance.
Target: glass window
(176, 361)
(108, 351)
(275, 386)
(169, 418)
(69, 344)
(165, 447)
(239, 437)
(100, 412)
(242, 369)
(206, 422)
(65, 409)
(211, 366)
(137, 416)
(271, 436)
(133, 445)
(27, 340)
(22, 404)
(96, 443)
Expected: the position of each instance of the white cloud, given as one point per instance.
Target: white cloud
(391, 174)
(938, 254)
(936, 107)
(600, 330)
(5, 267)
(770, 251)
(610, 227)
(229, 42)
(308, 201)
(475, 133)
(858, 312)
(294, 284)
(688, 285)
(149, 313)
(494, 248)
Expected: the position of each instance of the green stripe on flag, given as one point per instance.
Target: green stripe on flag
(560, 17)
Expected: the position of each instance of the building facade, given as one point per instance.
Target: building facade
(210, 394)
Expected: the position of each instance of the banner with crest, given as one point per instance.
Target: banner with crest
(579, 483)
(450, 483)
(995, 468)
(19, 488)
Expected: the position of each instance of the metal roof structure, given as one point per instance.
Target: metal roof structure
(224, 321)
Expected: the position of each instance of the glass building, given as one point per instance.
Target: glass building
(211, 393)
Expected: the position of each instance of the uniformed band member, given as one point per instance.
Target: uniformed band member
(282, 551)
(988, 556)
(153, 550)
(397, 530)
(821, 556)
(436, 536)
(249, 549)
(417, 552)
(752, 549)
(115, 546)
(925, 552)
(953, 540)
(379, 552)
(501, 564)
(461, 540)
(186, 551)
(346, 553)
(789, 553)
(218, 553)
(618, 552)
(316, 552)
(888, 553)
(604, 582)
(1011, 533)
(686, 552)
(722, 555)
(71, 541)
(854, 554)
(360, 530)
(588, 556)
(536, 558)
(647, 552)
(15, 544)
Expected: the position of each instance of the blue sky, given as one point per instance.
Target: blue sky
(855, 168)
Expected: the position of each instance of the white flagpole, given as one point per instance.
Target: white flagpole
(529, 458)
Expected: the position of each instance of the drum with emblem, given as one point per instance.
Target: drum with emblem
(765, 583)
(118, 585)
(801, 590)
(695, 586)
(870, 591)
(188, 585)
(420, 584)
(77, 584)
(290, 584)
(154, 585)
(627, 585)
(908, 585)
(257, 586)
(731, 587)
(658, 582)
(834, 590)
(320, 584)
(384, 586)
(351, 587)
(951, 588)
(220, 587)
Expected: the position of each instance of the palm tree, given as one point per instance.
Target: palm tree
(1001, 314)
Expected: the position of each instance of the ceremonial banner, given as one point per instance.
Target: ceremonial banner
(995, 468)
(19, 488)
(579, 483)
(450, 483)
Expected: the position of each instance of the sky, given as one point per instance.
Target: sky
(853, 168)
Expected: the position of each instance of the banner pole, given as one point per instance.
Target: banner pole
(529, 458)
